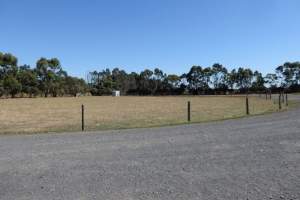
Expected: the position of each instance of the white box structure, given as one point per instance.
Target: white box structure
(116, 93)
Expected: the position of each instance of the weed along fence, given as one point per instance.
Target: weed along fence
(35, 115)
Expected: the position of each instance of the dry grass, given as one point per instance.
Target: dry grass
(64, 114)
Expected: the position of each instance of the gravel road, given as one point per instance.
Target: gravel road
(251, 158)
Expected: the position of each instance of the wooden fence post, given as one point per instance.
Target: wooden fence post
(189, 111)
(247, 105)
(279, 101)
(82, 117)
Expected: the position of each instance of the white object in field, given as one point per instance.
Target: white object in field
(116, 93)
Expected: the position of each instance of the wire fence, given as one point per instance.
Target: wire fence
(99, 113)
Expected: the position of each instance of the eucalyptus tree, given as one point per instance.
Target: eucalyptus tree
(119, 78)
(132, 81)
(288, 74)
(258, 83)
(9, 84)
(50, 74)
(102, 82)
(159, 84)
(219, 77)
(232, 79)
(29, 81)
(74, 86)
(173, 84)
(145, 84)
(8, 65)
(244, 78)
(196, 79)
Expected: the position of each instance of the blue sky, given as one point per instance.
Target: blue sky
(137, 34)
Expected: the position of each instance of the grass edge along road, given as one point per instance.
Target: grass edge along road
(44, 115)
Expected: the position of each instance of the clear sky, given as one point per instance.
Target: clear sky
(136, 34)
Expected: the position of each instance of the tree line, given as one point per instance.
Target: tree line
(48, 78)
(216, 79)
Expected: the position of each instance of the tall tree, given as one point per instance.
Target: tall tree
(119, 78)
(74, 86)
(8, 65)
(49, 73)
(198, 79)
(271, 80)
(244, 78)
(173, 83)
(158, 81)
(219, 77)
(28, 79)
(8, 75)
(288, 74)
(258, 83)
(232, 79)
(145, 84)
(11, 85)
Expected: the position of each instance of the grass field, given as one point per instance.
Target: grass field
(64, 114)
